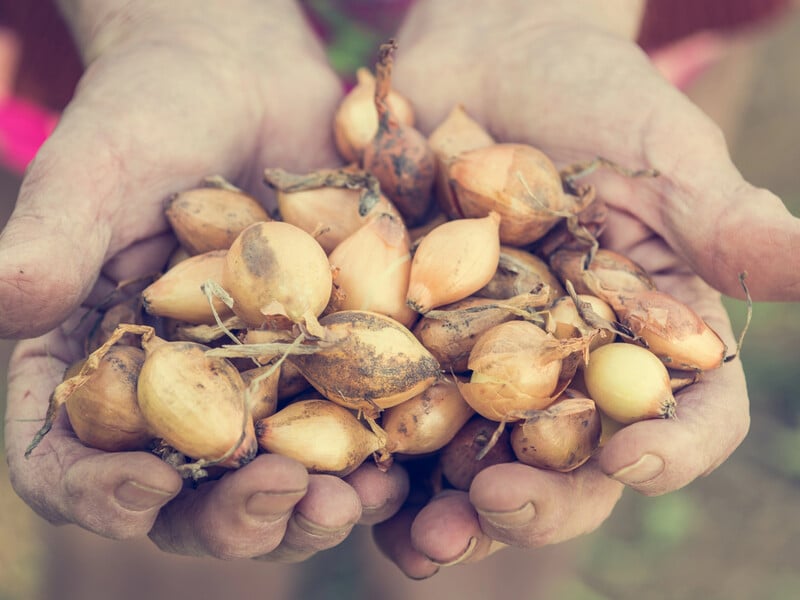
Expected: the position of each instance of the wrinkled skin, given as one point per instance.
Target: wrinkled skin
(576, 92)
(165, 101)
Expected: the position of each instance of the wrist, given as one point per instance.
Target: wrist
(618, 17)
(100, 25)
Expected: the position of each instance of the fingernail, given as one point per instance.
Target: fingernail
(510, 519)
(471, 545)
(643, 470)
(271, 505)
(133, 495)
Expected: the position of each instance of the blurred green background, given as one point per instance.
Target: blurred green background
(734, 534)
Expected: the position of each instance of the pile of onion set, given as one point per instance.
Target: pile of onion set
(441, 300)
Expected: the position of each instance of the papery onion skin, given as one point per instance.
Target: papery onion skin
(374, 362)
(450, 332)
(520, 272)
(561, 437)
(458, 459)
(567, 322)
(501, 177)
(514, 369)
(177, 294)
(355, 121)
(210, 218)
(450, 339)
(103, 410)
(196, 403)
(323, 436)
(456, 134)
(672, 330)
(453, 261)
(426, 422)
(609, 272)
(273, 270)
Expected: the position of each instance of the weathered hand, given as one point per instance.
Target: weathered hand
(577, 88)
(172, 92)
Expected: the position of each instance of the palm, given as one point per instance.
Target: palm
(576, 94)
(153, 116)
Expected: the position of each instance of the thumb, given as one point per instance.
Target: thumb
(752, 233)
(53, 246)
(724, 226)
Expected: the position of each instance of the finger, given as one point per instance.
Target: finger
(116, 495)
(381, 493)
(711, 238)
(322, 519)
(393, 538)
(48, 263)
(528, 507)
(242, 515)
(92, 189)
(701, 213)
(447, 530)
(659, 456)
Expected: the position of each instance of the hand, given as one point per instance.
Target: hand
(172, 92)
(575, 86)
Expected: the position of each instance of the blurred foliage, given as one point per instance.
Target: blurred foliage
(351, 45)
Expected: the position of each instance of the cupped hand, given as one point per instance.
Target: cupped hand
(578, 89)
(173, 92)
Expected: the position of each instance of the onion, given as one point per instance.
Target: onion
(520, 272)
(399, 155)
(322, 436)
(210, 217)
(459, 459)
(328, 204)
(426, 422)
(450, 332)
(178, 293)
(454, 260)
(102, 406)
(275, 272)
(355, 122)
(262, 385)
(629, 383)
(372, 268)
(516, 367)
(371, 362)
(561, 438)
(670, 329)
(517, 181)
(456, 134)
(196, 403)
